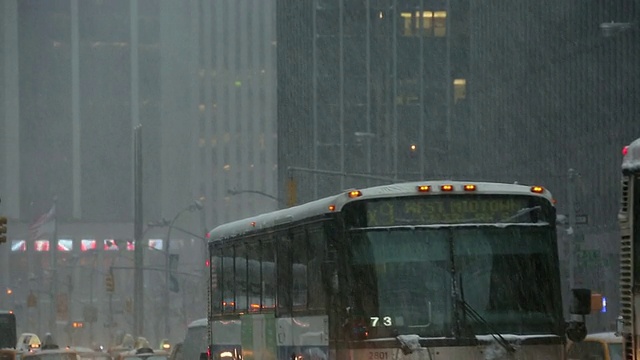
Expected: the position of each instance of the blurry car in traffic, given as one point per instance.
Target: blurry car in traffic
(176, 352)
(28, 342)
(143, 354)
(10, 354)
(90, 354)
(196, 340)
(58, 354)
(601, 346)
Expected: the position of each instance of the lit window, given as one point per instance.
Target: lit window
(459, 89)
(155, 244)
(18, 245)
(88, 244)
(425, 23)
(440, 23)
(65, 245)
(41, 245)
(110, 244)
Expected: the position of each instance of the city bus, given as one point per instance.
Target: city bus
(429, 270)
(629, 219)
(8, 332)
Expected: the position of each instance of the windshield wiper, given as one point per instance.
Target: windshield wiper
(521, 212)
(474, 315)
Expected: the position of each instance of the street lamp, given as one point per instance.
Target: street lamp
(237, 192)
(195, 206)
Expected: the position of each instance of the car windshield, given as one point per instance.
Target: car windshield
(403, 280)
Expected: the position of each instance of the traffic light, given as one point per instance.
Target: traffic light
(3, 229)
(292, 191)
(77, 325)
(110, 283)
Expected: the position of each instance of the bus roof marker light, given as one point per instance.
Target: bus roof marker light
(446, 187)
(424, 188)
(355, 193)
(537, 189)
(625, 150)
(332, 207)
(253, 224)
(469, 187)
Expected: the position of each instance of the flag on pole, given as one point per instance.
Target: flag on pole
(44, 225)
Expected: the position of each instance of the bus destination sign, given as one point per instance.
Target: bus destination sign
(456, 209)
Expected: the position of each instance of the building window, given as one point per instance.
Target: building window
(408, 92)
(459, 90)
(424, 23)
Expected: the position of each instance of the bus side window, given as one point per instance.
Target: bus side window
(299, 264)
(316, 251)
(254, 276)
(284, 278)
(228, 280)
(216, 281)
(268, 265)
(240, 276)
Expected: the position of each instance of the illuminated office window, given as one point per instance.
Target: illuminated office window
(88, 244)
(41, 245)
(425, 23)
(155, 244)
(18, 245)
(459, 89)
(65, 245)
(110, 244)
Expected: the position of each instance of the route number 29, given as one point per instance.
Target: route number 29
(381, 321)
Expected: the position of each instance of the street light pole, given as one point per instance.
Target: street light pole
(196, 205)
(572, 225)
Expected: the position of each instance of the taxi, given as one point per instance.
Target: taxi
(605, 346)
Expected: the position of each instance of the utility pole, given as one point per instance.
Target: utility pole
(138, 279)
(572, 225)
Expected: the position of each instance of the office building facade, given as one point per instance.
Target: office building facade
(78, 76)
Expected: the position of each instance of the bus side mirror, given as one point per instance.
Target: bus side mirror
(580, 306)
(580, 302)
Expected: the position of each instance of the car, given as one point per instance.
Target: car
(176, 352)
(601, 346)
(28, 342)
(10, 354)
(54, 354)
(90, 354)
(143, 354)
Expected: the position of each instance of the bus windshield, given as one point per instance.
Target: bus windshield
(408, 280)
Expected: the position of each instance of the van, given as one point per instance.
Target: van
(195, 340)
(599, 346)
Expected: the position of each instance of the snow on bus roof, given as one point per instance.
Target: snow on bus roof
(631, 160)
(321, 206)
